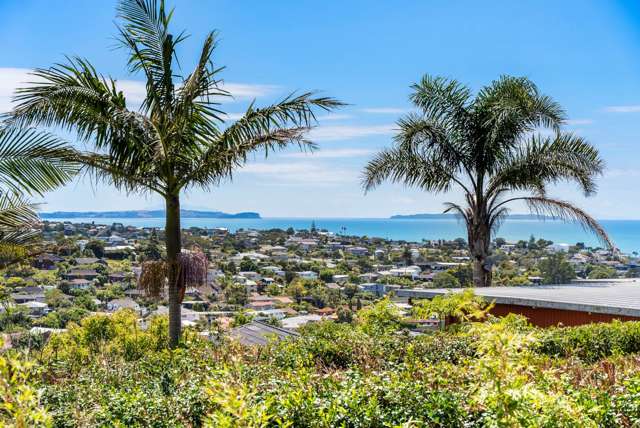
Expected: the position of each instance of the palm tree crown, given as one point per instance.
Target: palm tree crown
(31, 164)
(488, 147)
(177, 138)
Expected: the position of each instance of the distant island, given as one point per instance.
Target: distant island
(145, 214)
(449, 216)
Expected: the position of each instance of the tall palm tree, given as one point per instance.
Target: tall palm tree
(487, 147)
(176, 139)
(31, 164)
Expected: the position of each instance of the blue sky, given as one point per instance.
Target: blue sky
(586, 54)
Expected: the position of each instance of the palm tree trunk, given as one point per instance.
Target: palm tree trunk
(174, 247)
(479, 241)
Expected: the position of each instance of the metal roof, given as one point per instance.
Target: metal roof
(604, 297)
(259, 333)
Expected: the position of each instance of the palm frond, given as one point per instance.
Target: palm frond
(271, 128)
(442, 99)
(451, 207)
(407, 167)
(75, 97)
(511, 105)
(549, 160)
(19, 223)
(128, 177)
(145, 33)
(34, 162)
(566, 211)
(434, 139)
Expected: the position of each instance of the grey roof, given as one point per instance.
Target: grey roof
(605, 297)
(259, 333)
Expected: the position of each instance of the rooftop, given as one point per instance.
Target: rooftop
(604, 297)
(259, 333)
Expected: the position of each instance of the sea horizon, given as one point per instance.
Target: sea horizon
(624, 233)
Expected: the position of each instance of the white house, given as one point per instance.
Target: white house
(308, 274)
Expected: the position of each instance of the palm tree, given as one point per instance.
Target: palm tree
(487, 147)
(175, 140)
(31, 163)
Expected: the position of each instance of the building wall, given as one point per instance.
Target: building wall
(545, 317)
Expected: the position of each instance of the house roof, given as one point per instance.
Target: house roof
(604, 297)
(259, 333)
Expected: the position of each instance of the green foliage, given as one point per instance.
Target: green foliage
(20, 400)
(603, 272)
(591, 342)
(445, 280)
(556, 269)
(236, 294)
(379, 319)
(464, 305)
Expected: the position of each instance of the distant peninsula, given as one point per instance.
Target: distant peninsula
(450, 216)
(144, 214)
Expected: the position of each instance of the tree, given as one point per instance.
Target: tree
(603, 272)
(556, 269)
(175, 140)
(96, 246)
(236, 294)
(486, 146)
(445, 280)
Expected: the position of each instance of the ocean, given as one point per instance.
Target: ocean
(625, 233)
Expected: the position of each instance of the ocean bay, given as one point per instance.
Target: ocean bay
(625, 233)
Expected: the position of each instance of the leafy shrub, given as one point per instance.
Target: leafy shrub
(591, 342)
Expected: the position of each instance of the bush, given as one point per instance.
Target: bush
(591, 342)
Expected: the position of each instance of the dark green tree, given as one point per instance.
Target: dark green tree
(556, 269)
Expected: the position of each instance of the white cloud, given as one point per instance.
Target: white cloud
(574, 122)
(234, 116)
(625, 173)
(300, 173)
(385, 110)
(334, 117)
(623, 109)
(134, 90)
(331, 154)
(348, 132)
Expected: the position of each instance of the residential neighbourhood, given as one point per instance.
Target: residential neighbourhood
(283, 278)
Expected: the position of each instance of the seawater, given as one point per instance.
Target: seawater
(625, 233)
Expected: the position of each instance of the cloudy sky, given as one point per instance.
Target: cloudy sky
(584, 53)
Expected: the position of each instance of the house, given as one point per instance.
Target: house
(276, 270)
(369, 277)
(558, 248)
(28, 294)
(254, 276)
(308, 274)
(295, 323)
(357, 251)
(46, 261)
(378, 289)
(36, 309)
(258, 333)
(123, 303)
(88, 261)
(407, 272)
(114, 240)
(261, 305)
(80, 284)
(117, 277)
(88, 274)
(582, 302)
(262, 314)
(339, 278)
